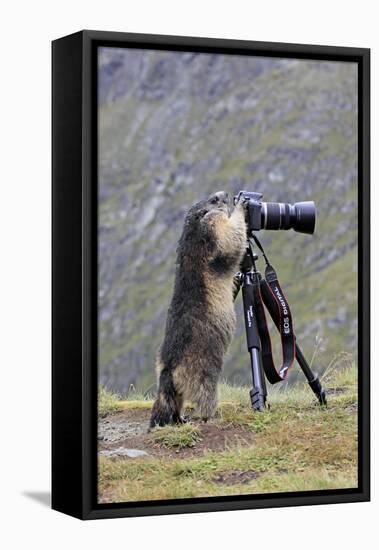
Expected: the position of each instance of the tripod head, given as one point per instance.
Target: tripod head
(249, 259)
(247, 265)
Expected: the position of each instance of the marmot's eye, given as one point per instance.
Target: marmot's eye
(214, 200)
(200, 214)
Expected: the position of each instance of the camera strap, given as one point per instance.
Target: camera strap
(268, 292)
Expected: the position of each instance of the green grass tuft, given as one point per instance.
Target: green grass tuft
(235, 394)
(179, 437)
(108, 402)
(135, 394)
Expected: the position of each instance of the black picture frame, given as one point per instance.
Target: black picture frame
(74, 273)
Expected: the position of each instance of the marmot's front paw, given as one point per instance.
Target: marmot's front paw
(241, 205)
(241, 202)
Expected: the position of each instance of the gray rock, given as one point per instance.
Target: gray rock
(123, 452)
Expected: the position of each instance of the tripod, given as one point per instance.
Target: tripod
(256, 291)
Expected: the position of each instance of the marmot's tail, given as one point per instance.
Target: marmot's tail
(165, 409)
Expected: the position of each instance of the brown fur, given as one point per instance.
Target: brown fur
(201, 318)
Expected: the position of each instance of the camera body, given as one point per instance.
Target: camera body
(300, 217)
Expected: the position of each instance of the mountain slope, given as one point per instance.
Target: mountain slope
(175, 127)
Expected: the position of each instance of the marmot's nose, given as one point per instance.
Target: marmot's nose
(222, 196)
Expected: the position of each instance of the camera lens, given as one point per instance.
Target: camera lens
(300, 217)
(304, 219)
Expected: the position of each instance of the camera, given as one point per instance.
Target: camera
(300, 217)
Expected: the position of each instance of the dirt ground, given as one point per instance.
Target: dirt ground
(125, 434)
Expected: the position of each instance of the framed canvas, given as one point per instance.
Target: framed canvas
(184, 169)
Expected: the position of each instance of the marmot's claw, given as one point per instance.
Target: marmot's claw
(181, 419)
(242, 201)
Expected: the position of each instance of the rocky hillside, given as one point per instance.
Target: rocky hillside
(175, 127)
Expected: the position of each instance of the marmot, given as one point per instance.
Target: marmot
(201, 317)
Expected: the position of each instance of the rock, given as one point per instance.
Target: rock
(123, 452)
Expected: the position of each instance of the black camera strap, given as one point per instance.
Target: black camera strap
(268, 292)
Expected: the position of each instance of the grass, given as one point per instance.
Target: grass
(340, 375)
(297, 446)
(108, 402)
(177, 437)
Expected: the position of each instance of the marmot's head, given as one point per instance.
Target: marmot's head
(217, 201)
(196, 239)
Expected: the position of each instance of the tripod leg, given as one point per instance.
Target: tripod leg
(258, 393)
(312, 378)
